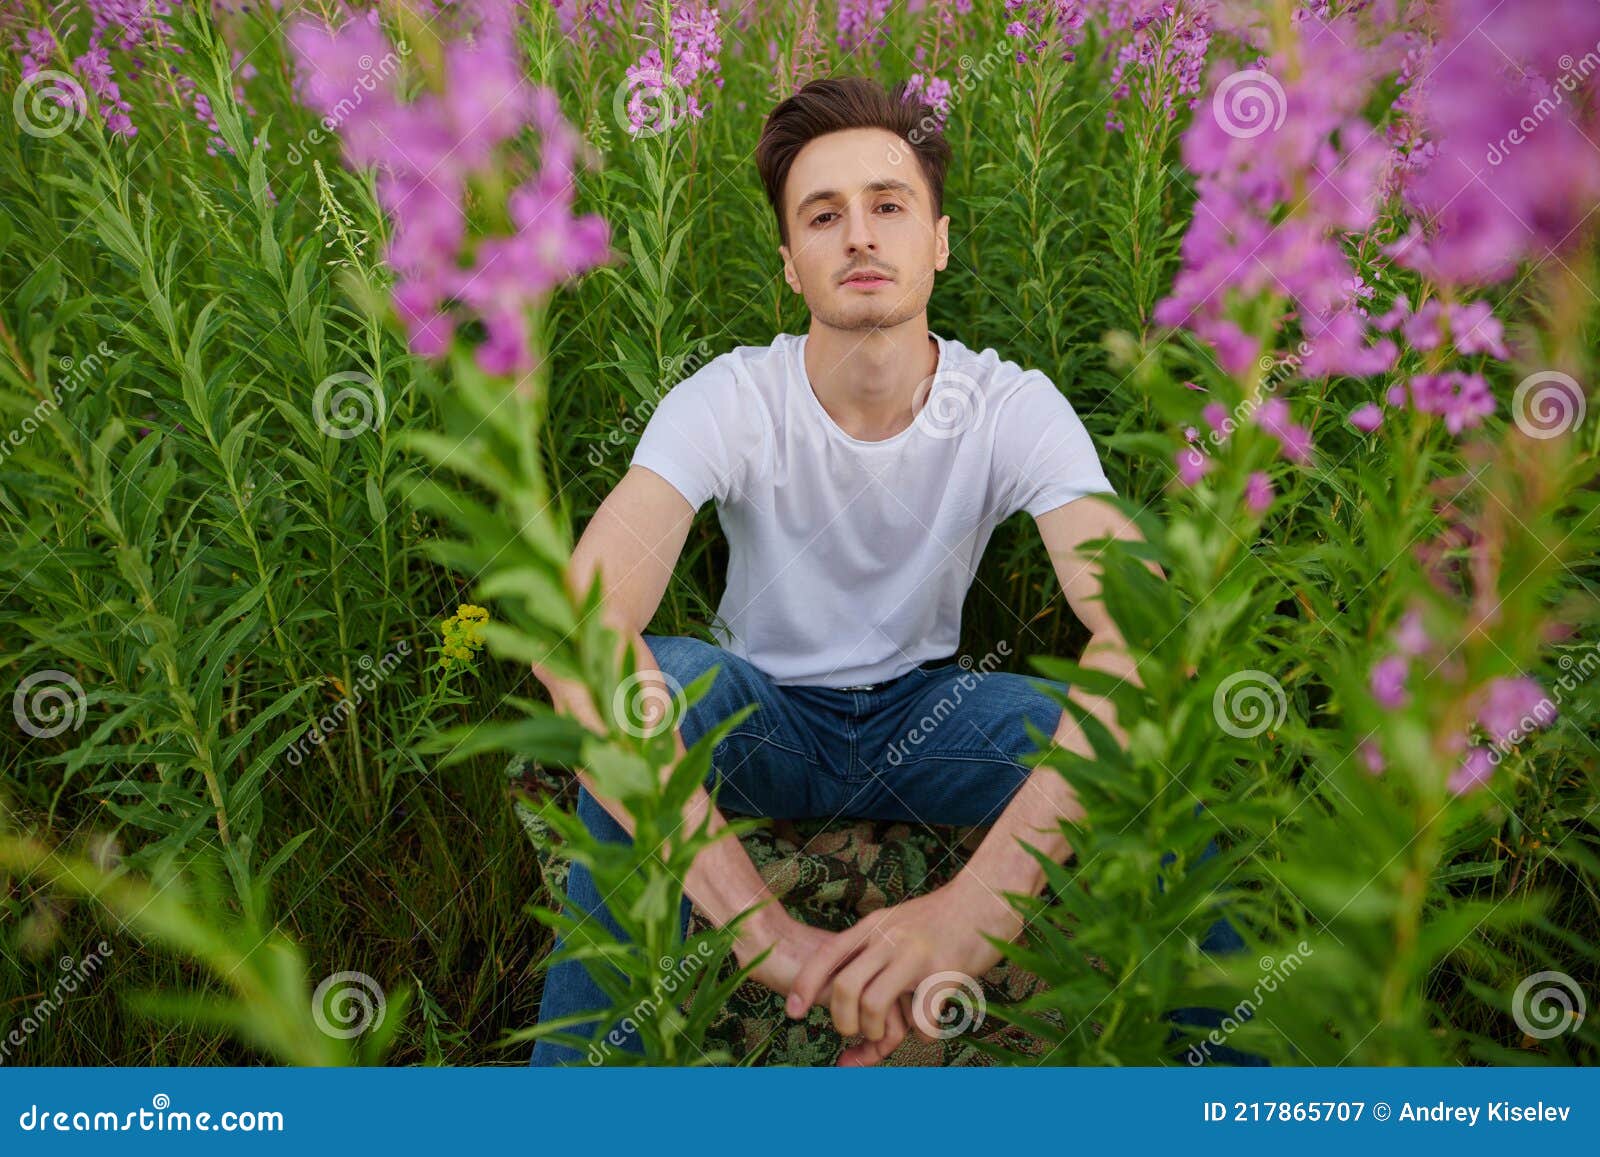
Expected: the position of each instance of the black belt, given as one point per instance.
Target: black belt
(925, 665)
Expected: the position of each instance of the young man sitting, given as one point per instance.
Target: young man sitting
(858, 471)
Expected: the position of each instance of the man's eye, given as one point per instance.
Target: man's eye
(890, 205)
(818, 219)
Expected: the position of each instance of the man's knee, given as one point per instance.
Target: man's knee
(1025, 700)
(684, 659)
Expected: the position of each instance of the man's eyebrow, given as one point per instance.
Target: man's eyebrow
(887, 185)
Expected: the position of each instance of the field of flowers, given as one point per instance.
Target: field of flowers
(325, 325)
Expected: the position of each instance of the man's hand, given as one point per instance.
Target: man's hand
(793, 944)
(873, 968)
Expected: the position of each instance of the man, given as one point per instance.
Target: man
(858, 471)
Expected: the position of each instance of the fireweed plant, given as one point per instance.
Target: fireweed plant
(310, 363)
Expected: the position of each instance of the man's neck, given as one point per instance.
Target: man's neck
(872, 381)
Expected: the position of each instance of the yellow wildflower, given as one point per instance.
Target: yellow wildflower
(463, 636)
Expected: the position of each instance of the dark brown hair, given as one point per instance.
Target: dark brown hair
(848, 102)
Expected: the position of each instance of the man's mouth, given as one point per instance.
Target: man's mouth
(866, 280)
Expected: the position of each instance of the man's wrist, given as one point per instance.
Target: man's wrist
(761, 929)
(984, 910)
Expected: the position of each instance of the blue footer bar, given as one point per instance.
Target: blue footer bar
(781, 1111)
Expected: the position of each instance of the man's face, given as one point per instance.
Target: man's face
(863, 242)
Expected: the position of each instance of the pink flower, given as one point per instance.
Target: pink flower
(1372, 757)
(1366, 418)
(1258, 492)
(1193, 465)
(1277, 199)
(1293, 440)
(1389, 682)
(1215, 415)
(429, 150)
(1411, 636)
(861, 23)
(1463, 399)
(1473, 772)
(1475, 329)
(1512, 707)
(1512, 172)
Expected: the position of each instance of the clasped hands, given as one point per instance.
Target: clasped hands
(868, 975)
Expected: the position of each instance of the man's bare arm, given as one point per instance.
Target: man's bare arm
(633, 542)
(1001, 864)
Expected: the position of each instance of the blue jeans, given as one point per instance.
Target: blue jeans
(938, 745)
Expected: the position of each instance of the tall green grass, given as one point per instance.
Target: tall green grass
(250, 601)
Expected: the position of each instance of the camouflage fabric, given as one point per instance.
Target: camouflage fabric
(828, 874)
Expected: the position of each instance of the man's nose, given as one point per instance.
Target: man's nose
(860, 235)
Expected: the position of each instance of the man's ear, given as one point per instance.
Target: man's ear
(789, 274)
(941, 253)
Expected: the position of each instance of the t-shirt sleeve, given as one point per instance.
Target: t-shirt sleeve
(687, 439)
(1044, 457)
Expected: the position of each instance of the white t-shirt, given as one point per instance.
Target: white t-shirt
(849, 560)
